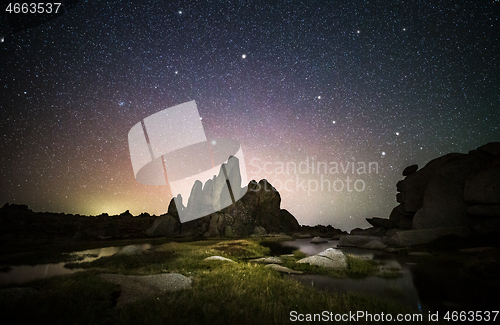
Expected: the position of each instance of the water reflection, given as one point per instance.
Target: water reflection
(92, 254)
(401, 289)
(24, 273)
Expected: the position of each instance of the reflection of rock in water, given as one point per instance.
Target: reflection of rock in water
(215, 194)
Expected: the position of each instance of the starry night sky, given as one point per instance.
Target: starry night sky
(391, 82)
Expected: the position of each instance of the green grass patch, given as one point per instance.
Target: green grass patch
(359, 268)
(245, 293)
(356, 266)
(80, 298)
(299, 254)
(180, 257)
(395, 291)
(222, 293)
(390, 274)
(226, 293)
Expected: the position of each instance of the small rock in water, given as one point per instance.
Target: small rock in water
(374, 244)
(318, 240)
(332, 253)
(330, 258)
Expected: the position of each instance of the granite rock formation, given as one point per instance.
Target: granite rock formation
(258, 209)
(456, 194)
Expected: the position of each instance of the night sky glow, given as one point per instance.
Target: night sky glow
(329, 85)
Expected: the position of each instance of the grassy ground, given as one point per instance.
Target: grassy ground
(222, 293)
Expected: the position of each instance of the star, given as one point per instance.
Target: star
(243, 56)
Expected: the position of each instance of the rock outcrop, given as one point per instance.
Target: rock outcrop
(318, 240)
(456, 194)
(227, 209)
(330, 258)
(164, 225)
(256, 213)
(456, 190)
(217, 193)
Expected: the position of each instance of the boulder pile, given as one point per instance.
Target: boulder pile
(456, 194)
(256, 213)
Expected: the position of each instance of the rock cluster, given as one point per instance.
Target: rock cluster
(456, 194)
(215, 194)
(134, 287)
(456, 190)
(330, 258)
(257, 212)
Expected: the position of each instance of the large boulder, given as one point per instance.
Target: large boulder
(490, 149)
(259, 231)
(288, 223)
(414, 185)
(407, 238)
(484, 210)
(483, 187)
(356, 240)
(318, 240)
(330, 258)
(213, 228)
(268, 260)
(450, 191)
(373, 231)
(410, 170)
(259, 207)
(443, 204)
(380, 222)
(164, 225)
(218, 258)
(401, 218)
